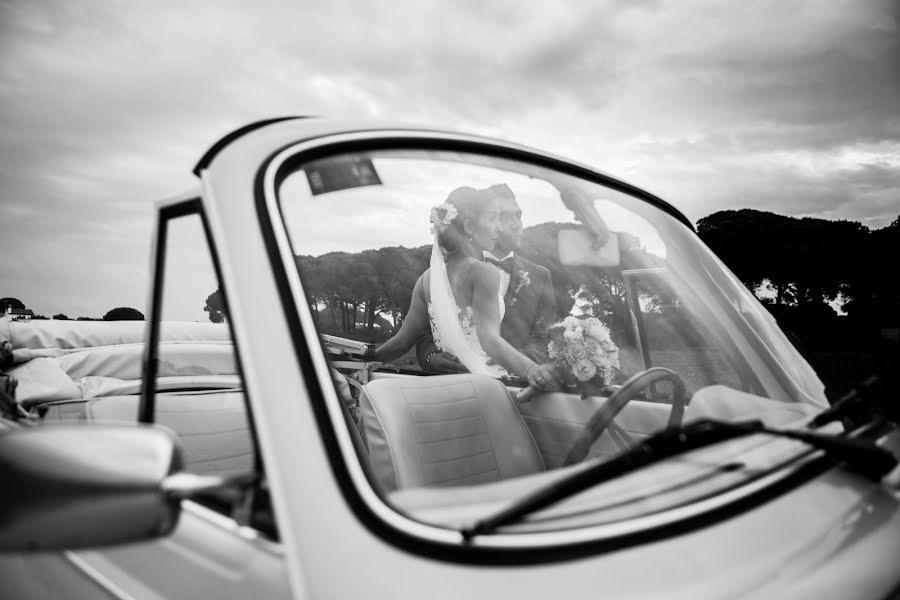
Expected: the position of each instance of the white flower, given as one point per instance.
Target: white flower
(524, 280)
(450, 212)
(441, 216)
(570, 336)
(584, 370)
(577, 349)
(591, 321)
(571, 323)
(598, 331)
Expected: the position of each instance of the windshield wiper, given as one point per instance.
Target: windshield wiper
(863, 455)
(853, 405)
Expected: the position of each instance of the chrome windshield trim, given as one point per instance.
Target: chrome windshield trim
(96, 576)
(228, 524)
(373, 501)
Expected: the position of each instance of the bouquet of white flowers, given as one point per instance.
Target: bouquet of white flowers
(582, 351)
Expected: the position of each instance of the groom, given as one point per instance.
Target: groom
(527, 291)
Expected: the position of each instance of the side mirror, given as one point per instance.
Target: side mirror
(578, 247)
(80, 486)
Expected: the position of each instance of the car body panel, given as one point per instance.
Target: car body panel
(323, 535)
(811, 530)
(51, 576)
(207, 556)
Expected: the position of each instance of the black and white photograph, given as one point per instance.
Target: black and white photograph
(450, 299)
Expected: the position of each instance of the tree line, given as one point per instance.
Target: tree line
(802, 264)
(795, 265)
(120, 313)
(791, 263)
(365, 295)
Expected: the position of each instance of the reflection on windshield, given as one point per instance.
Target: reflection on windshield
(481, 314)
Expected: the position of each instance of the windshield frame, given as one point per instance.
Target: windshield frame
(368, 504)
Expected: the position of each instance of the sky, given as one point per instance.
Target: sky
(105, 106)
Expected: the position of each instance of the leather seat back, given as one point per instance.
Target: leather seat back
(212, 426)
(444, 430)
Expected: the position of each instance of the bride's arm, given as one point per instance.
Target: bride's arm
(414, 325)
(486, 306)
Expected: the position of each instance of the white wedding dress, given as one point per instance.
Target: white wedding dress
(471, 336)
(453, 328)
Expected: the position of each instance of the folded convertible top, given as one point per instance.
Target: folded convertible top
(42, 334)
(62, 360)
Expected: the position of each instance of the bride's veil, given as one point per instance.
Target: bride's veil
(446, 317)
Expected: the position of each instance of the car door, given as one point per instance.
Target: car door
(223, 547)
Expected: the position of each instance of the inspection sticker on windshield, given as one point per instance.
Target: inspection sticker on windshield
(340, 174)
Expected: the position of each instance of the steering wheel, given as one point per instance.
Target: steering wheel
(601, 419)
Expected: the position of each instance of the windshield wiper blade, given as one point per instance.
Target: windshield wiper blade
(863, 455)
(853, 405)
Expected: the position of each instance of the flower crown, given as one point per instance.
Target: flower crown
(441, 217)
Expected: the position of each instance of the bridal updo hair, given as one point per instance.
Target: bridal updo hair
(463, 204)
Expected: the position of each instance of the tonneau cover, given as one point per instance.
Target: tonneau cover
(61, 360)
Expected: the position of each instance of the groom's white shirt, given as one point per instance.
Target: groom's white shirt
(504, 276)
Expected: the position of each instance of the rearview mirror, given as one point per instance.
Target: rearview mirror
(80, 486)
(578, 247)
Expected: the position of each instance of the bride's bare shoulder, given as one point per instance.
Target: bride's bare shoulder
(484, 272)
(423, 281)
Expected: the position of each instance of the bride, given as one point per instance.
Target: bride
(459, 297)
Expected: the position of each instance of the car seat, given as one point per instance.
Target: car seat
(444, 430)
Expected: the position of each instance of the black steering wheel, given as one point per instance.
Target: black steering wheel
(601, 419)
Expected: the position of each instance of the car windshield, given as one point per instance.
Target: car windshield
(492, 323)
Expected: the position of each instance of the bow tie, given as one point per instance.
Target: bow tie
(506, 264)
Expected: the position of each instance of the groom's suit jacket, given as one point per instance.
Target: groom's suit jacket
(530, 310)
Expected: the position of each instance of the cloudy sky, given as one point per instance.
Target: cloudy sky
(781, 105)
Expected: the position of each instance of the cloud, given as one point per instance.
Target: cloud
(786, 106)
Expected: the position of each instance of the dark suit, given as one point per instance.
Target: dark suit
(530, 310)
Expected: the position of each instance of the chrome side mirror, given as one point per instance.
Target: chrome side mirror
(80, 486)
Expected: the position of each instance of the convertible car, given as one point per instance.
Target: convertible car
(250, 446)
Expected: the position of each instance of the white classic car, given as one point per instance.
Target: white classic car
(685, 450)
